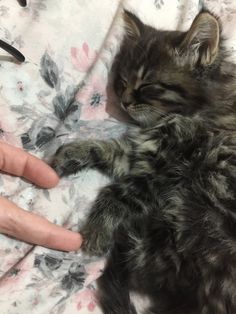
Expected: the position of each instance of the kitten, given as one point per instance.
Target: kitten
(168, 219)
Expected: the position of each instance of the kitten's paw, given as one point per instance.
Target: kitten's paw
(67, 160)
(97, 239)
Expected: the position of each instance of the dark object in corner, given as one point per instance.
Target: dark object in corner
(22, 3)
(13, 51)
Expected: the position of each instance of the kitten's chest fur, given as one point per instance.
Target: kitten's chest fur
(182, 164)
(177, 145)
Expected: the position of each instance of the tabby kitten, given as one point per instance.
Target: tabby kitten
(168, 219)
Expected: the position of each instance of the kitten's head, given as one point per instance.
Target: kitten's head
(161, 72)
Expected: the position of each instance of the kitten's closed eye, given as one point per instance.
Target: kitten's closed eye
(147, 85)
(151, 88)
(147, 92)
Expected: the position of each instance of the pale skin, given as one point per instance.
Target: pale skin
(23, 225)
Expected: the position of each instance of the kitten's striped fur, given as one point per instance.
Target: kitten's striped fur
(169, 216)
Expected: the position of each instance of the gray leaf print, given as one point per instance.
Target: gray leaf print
(48, 263)
(71, 104)
(52, 262)
(7, 34)
(44, 136)
(70, 93)
(59, 104)
(64, 199)
(47, 195)
(19, 41)
(72, 107)
(24, 110)
(72, 121)
(49, 71)
(158, 4)
(26, 141)
(4, 11)
(64, 105)
(75, 277)
(35, 7)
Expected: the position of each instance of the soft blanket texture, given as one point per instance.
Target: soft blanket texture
(58, 94)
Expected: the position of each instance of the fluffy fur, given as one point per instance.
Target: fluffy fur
(168, 219)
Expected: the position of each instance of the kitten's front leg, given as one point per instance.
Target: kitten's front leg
(107, 213)
(116, 206)
(110, 158)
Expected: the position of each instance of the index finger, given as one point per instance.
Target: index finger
(34, 229)
(16, 161)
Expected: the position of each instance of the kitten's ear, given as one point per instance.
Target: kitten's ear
(133, 25)
(201, 43)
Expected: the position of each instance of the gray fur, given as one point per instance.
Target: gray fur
(168, 219)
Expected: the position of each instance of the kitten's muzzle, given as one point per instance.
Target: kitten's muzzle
(125, 105)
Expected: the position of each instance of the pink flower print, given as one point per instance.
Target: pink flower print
(91, 306)
(93, 96)
(86, 299)
(82, 58)
(20, 86)
(94, 271)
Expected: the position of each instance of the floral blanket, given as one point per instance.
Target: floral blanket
(58, 94)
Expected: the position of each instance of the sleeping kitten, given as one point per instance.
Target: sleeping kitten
(168, 219)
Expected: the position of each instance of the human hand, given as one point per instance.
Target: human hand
(24, 225)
